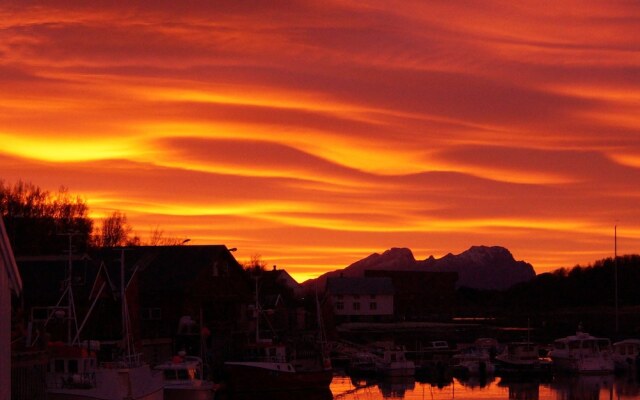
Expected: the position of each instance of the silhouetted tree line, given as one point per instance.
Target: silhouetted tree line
(37, 220)
(578, 287)
(41, 222)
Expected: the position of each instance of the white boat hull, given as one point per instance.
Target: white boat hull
(595, 365)
(112, 384)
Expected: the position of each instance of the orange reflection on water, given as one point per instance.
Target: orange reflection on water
(559, 388)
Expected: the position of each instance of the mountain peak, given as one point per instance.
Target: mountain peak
(479, 267)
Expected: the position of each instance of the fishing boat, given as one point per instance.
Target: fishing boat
(74, 372)
(582, 353)
(183, 379)
(267, 365)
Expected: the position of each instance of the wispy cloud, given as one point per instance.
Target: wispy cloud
(318, 132)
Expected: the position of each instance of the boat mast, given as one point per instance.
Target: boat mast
(257, 306)
(71, 308)
(615, 272)
(126, 335)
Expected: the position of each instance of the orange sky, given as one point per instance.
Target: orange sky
(315, 133)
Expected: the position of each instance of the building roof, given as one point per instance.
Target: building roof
(360, 286)
(8, 261)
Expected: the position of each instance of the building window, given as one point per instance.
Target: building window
(356, 306)
(339, 305)
(373, 305)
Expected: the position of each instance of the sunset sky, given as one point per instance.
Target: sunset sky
(315, 133)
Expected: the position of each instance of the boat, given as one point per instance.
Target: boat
(183, 379)
(432, 358)
(362, 363)
(473, 361)
(267, 365)
(394, 363)
(73, 371)
(582, 353)
(522, 357)
(626, 354)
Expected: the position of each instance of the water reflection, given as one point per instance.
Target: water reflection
(594, 387)
(395, 388)
(522, 390)
(279, 395)
(590, 387)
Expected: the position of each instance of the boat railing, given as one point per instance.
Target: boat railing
(127, 361)
(72, 380)
(278, 359)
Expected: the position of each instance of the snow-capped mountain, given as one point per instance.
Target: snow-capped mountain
(480, 267)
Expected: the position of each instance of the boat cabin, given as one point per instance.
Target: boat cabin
(629, 347)
(71, 367)
(266, 351)
(181, 368)
(583, 344)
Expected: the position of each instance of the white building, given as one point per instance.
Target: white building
(9, 282)
(361, 298)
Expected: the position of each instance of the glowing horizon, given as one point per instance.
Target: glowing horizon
(319, 133)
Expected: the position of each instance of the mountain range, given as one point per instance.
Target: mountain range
(480, 267)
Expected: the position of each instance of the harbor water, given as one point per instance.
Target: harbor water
(594, 387)
(588, 387)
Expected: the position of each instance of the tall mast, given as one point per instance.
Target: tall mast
(257, 313)
(615, 272)
(71, 308)
(70, 283)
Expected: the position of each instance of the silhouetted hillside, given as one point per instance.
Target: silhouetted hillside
(480, 267)
(593, 285)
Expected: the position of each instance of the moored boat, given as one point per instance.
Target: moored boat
(269, 369)
(522, 357)
(183, 379)
(582, 353)
(75, 374)
(266, 365)
(394, 363)
(473, 361)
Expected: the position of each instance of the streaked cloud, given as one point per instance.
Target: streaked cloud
(316, 133)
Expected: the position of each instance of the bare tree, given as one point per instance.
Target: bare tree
(256, 265)
(115, 231)
(157, 238)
